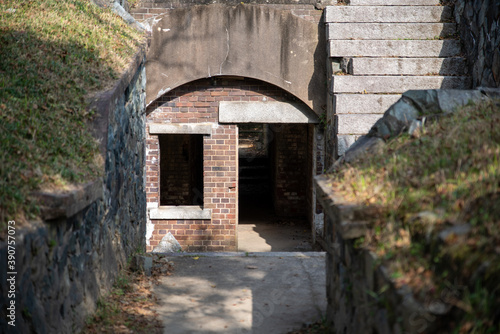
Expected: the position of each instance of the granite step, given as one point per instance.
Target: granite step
(407, 66)
(381, 14)
(363, 103)
(380, 48)
(390, 31)
(358, 124)
(395, 84)
(394, 2)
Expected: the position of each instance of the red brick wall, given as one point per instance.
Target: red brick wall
(290, 157)
(198, 102)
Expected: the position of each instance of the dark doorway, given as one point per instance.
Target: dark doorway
(272, 187)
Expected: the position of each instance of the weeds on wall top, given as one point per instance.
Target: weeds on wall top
(440, 197)
(54, 54)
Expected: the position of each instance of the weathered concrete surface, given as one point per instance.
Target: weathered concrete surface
(265, 112)
(381, 48)
(251, 41)
(356, 124)
(272, 237)
(395, 84)
(185, 128)
(389, 30)
(363, 103)
(388, 14)
(394, 2)
(409, 66)
(180, 212)
(234, 293)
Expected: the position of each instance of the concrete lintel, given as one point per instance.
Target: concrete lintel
(180, 212)
(180, 128)
(265, 112)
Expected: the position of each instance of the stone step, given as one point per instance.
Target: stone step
(394, 2)
(389, 31)
(407, 66)
(363, 103)
(435, 48)
(380, 14)
(358, 124)
(395, 84)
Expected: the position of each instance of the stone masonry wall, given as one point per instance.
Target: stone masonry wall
(361, 295)
(65, 262)
(479, 26)
(197, 103)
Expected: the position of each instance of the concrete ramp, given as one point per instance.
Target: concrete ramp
(242, 292)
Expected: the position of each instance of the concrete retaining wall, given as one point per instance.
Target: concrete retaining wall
(64, 262)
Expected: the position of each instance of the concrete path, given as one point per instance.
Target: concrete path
(268, 293)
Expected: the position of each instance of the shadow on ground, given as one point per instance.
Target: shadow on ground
(266, 293)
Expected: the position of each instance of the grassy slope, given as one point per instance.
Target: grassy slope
(53, 55)
(448, 176)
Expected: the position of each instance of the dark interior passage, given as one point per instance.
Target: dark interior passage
(273, 187)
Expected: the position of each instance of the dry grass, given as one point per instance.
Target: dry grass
(447, 177)
(130, 305)
(53, 55)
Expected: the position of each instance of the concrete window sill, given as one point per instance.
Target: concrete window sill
(180, 212)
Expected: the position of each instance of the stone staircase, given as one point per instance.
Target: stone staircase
(382, 48)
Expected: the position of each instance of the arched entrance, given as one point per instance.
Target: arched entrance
(198, 69)
(194, 162)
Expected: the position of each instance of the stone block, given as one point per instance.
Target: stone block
(395, 84)
(356, 124)
(186, 128)
(180, 212)
(389, 31)
(394, 2)
(399, 48)
(344, 142)
(142, 264)
(363, 103)
(388, 14)
(265, 112)
(408, 66)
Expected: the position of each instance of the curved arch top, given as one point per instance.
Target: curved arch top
(254, 41)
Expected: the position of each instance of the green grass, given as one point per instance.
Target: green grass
(450, 175)
(54, 54)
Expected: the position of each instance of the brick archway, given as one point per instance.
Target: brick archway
(185, 126)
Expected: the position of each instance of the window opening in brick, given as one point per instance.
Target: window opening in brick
(181, 169)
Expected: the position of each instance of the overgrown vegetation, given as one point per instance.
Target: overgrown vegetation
(128, 308)
(439, 199)
(54, 54)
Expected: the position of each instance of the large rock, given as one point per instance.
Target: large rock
(168, 244)
(409, 113)
(416, 104)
